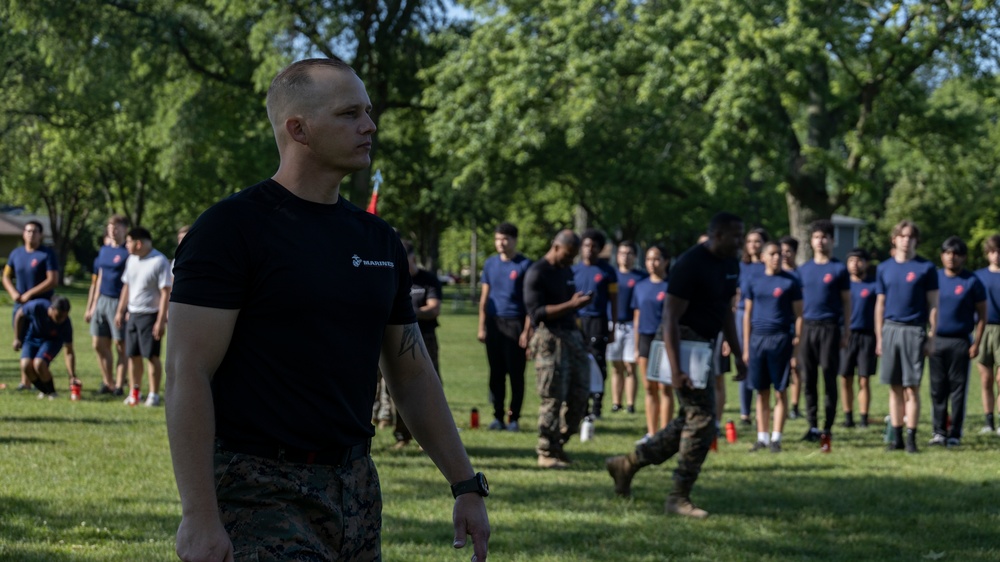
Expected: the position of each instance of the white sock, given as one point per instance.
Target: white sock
(762, 437)
(776, 436)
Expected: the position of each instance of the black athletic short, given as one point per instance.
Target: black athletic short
(860, 355)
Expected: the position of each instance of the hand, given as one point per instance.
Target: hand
(681, 381)
(469, 517)
(581, 300)
(523, 339)
(929, 347)
(21, 299)
(746, 356)
(726, 351)
(481, 335)
(973, 351)
(845, 340)
(17, 344)
(88, 316)
(158, 329)
(119, 320)
(741, 371)
(202, 538)
(878, 348)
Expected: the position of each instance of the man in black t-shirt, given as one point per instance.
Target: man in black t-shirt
(425, 294)
(703, 282)
(283, 398)
(551, 299)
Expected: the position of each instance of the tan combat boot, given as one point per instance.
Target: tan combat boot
(551, 462)
(679, 503)
(622, 468)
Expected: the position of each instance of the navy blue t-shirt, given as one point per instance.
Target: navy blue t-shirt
(747, 273)
(30, 268)
(991, 283)
(822, 285)
(772, 297)
(905, 286)
(544, 285)
(599, 278)
(863, 306)
(506, 281)
(708, 283)
(626, 284)
(111, 261)
(316, 285)
(957, 299)
(647, 298)
(41, 327)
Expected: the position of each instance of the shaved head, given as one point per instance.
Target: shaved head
(567, 238)
(293, 90)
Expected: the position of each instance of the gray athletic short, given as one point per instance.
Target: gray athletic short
(902, 354)
(102, 325)
(623, 348)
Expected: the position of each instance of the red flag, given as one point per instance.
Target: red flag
(373, 204)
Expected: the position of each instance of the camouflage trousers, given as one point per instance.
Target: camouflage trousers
(275, 510)
(563, 384)
(689, 435)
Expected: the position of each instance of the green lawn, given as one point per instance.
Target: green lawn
(92, 481)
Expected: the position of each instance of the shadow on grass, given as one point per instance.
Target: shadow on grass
(34, 521)
(781, 513)
(25, 441)
(70, 420)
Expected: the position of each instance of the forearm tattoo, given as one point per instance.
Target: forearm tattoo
(412, 342)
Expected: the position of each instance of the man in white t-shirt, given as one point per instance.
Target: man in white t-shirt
(145, 295)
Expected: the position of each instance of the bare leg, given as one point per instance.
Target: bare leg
(630, 384)
(102, 347)
(120, 367)
(155, 374)
(864, 395)
(847, 389)
(618, 375)
(780, 410)
(986, 378)
(912, 397)
(135, 371)
(666, 404)
(896, 401)
(652, 399)
(763, 410)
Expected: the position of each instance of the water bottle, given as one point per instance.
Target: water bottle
(474, 419)
(824, 442)
(730, 432)
(888, 435)
(587, 429)
(74, 390)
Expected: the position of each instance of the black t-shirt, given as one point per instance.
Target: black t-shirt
(315, 285)
(708, 283)
(426, 285)
(546, 284)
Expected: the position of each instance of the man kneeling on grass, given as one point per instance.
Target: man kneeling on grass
(41, 328)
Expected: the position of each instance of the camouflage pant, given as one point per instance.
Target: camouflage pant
(563, 383)
(690, 434)
(275, 510)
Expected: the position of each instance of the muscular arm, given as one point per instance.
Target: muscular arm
(161, 315)
(20, 328)
(430, 310)
(51, 280)
(484, 296)
(95, 282)
(879, 321)
(980, 328)
(70, 362)
(196, 349)
(8, 283)
(845, 298)
(416, 390)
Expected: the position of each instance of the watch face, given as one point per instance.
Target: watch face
(483, 484)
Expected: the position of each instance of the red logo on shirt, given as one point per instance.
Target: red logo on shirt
(119, 258)
(660, 296)
(910, 277)
(959, 289)
(864, 293)
(598, 277)
(828, 278)
(34, 262)
(631, 283)
(513, 275)
(777, 292)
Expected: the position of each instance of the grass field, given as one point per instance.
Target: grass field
(91, 480)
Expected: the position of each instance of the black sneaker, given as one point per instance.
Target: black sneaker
(104, 389)
(616, 408)
(775, 446)
(744, 421)
(794, 414)
(863, 423)
(911, 446)
(847, 423)
(630, 409)
(757, 447)
(894, 446)
(119, 391)
(812, 435)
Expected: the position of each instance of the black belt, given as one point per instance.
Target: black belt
(339, 456)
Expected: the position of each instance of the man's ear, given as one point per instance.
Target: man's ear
(296, 129)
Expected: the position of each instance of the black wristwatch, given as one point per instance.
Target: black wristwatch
(477, 484)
